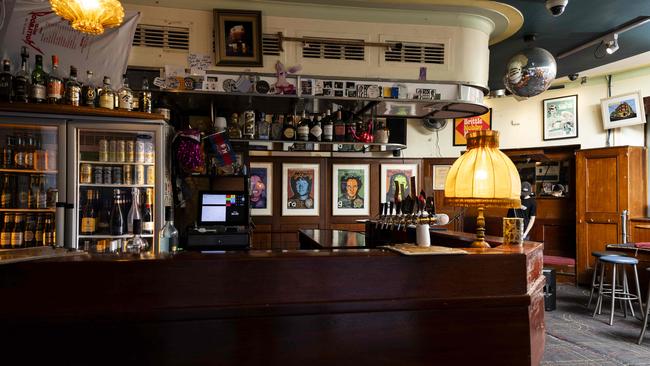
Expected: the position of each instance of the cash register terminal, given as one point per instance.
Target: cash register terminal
(223, 222)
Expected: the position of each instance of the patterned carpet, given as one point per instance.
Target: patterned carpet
(573, 337)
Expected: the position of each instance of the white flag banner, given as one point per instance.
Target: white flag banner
(37, 27)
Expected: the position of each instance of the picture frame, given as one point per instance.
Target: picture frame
(350, 189)
(238, 37)
(462, 126)
(560, 119)
(403, 172)
(440, 176)
(300, 189)
(623, 110)
(261, 188)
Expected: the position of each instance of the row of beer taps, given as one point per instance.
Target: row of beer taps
(407, 211)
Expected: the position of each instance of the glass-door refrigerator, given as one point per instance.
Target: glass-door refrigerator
(115, 175)
(32, 181)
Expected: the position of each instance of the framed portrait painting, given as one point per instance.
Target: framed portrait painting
(238, 37)
(300, 190)
(560, 118)
(401, 173)
(261, 196)
(622, 110)
(350, 190)
(463, 126)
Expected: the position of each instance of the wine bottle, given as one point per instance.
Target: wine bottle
(54, 83)
(73, 89)
(339, 128)
(168, 235)
(6, 82)
(17, 239)
(21, 81)
(7, 228)
(103, 222)
(134, 211)
(147, 215)
(88, 215)
(328, 127)
(38, 94)
(117, 220)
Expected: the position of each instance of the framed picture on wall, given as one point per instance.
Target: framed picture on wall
(238, 37)
(622, 110)
(300, 190)
(463, 126)
(440, 176)
(560, 118)
(350, 190)
(401, 173)
(261, 189)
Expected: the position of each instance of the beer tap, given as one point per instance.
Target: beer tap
(382, 214)
(388, 218)
(397, 197)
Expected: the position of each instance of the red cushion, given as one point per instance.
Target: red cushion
(559, 261)
(644, 244)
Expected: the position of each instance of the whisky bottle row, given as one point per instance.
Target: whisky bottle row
(21, 230)
(54, 88)
(26, 152)
(26, 191)
(324, 127)
(116, 217)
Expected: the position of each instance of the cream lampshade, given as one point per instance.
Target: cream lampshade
(90, 16)
(483, 177)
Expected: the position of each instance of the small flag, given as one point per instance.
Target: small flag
(220, 144)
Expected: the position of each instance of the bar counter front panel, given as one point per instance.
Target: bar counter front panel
(326, 307)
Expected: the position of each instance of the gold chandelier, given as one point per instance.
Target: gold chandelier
(90, 16)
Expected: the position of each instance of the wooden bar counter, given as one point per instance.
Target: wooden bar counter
(303, 307)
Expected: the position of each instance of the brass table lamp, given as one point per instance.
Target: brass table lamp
(483, 177)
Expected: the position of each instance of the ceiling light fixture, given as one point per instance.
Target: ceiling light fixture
(90, 16)
(611, 44)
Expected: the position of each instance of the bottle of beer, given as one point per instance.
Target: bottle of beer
(49, 231)
(41, 201)
(88, 223)
(22, 200)
(8, 153)
(38, 231)
(7, 228)
(6, 200)
(30, 231)
(32, 194)
(17, 239)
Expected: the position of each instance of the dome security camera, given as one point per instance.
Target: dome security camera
(556, 7)
(573, 77)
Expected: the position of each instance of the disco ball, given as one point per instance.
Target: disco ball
(530, 72)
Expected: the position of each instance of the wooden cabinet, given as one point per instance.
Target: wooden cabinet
(608, 181)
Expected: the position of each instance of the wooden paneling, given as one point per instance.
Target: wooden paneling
(639, 230)
(602, 185)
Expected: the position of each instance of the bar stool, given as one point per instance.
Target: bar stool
(647, 312)
(594, 283)
(621, 294)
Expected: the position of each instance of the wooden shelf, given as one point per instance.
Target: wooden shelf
(366, 146)
(116, 185)
(28, 171)
(81, 110)
(127, 236)
(37, 210)
(112, 163)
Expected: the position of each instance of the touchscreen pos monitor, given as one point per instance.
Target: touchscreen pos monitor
(223, 208)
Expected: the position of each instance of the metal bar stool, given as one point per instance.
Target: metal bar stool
(623, 293)
(647, 312)
(594, 282)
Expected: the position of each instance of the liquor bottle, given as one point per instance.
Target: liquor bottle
(249, 125)
(134, 211)
(17, 239)
(276, 127)
(41, 200)
(106, 95)
(350, 129)
(302, 131)
(117, 220)
(6, 200)
(8, 153)
(263, 126)
(328, 127)
(168, 235)
(49, 231)
(30, 230)
(7, 228)
(288, 129)
(382, 133)
(88, 218)
(339, 128)
(73, 89)
(38, 231)
(21, 81)
(316, 130)
(125, 95)
(38, 94)
(147, 215)
(137, 244)
(6, 82)
(234, 131)
(54, 83)
(104, 218)
(145, 97)
(88, 91)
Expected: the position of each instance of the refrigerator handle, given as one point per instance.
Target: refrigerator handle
(64, 216)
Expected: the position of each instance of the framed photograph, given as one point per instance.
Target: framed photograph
(261, 189)
(622, 110)
(560, 118)
(350, 190)
(440, 176)
(238, 37)
(463, 126)
(300, 190)
(396, 172)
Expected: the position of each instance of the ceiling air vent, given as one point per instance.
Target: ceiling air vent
(332, 49)
(270, 44)
(169, 38)
(419, 53)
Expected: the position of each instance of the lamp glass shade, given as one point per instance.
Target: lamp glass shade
(483, 176)
(90, 16)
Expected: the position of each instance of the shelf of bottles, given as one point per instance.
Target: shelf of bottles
(116, 191)
(28, 178)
